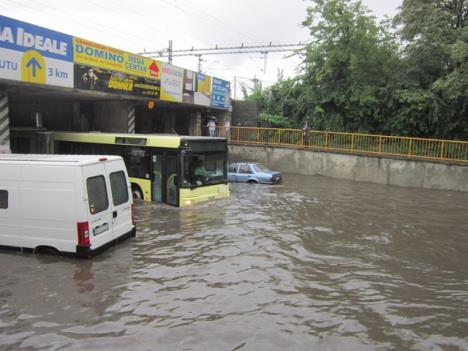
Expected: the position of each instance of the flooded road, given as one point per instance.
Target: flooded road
(312, 264)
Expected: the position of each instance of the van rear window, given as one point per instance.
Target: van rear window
(3, 199)
(97, 194)
(119, 188)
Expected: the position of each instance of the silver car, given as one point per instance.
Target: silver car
(251, 172)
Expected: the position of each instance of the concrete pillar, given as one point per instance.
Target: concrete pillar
(77, 118)
(169, 121)
(195, 124)
(113, 116)
(131, 118)
(4, 125)
(144, 121)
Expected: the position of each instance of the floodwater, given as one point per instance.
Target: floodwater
(312, 264)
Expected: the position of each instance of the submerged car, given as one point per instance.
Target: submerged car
(251, 172)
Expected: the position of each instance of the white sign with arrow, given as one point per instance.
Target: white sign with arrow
(34, 54)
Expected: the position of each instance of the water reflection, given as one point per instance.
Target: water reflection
(84, 276)
(314, 263)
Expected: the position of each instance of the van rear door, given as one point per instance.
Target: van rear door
(99, 204)
(121, 198)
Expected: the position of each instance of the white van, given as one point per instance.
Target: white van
(73, 204)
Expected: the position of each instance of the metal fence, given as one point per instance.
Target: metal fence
(415, 148)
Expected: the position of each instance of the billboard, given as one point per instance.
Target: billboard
(203, 93)
(101, 79)
(92, 54)
(221, 93)
(172, 79)
(189, 86)
(33, 54)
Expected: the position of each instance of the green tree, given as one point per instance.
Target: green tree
(282, 107)
(255, 93)
(435, 38)
(350, 68)
(358, 75)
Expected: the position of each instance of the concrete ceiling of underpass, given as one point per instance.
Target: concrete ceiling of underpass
(26, 93)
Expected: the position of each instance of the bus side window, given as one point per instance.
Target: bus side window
(138, 162)
(3, 199)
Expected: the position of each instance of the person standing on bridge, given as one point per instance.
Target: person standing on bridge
(227, 128)
(212, 126)
(305, 133)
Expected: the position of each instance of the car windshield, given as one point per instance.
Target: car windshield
(259, 168)
(204, 169)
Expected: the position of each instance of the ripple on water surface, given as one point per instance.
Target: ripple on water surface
(313, 263)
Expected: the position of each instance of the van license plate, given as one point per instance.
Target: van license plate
(100, 229)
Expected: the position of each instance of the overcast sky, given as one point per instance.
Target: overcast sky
(148, 25)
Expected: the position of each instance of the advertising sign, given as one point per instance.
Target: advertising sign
(92, 54)
(101, 79)
(203, 93)
(220, 93)
(34, 54)
(172, 79)
(190, 86)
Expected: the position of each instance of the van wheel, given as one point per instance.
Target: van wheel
(137, 194)
(47, 250)
(252, 182)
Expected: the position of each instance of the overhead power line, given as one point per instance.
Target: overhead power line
(220, 50)
(223, 50)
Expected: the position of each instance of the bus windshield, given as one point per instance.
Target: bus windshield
(204, 169)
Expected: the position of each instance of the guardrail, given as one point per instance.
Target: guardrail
(414, 148)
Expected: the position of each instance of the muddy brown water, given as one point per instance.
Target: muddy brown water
(312, 264)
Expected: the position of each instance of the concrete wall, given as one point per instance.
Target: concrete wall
(429, 175)
(195, 123)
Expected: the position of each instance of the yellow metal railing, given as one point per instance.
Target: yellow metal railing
(416, 148)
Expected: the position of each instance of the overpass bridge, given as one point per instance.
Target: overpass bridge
(58, 81)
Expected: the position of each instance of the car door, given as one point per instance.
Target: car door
(98, 205)
(244, 173)
(232, 172)
(121, 199)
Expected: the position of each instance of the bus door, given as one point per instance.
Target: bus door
(171, 179)
(157, 178)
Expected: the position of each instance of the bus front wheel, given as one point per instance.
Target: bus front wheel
(137, 193)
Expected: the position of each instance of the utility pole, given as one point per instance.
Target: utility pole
(265, 53)
(169, 52)
(235, 87)
(199, 63)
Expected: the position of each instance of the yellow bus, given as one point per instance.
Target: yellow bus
(160, 166)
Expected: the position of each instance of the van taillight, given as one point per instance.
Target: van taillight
(83, 233)
(133, 214)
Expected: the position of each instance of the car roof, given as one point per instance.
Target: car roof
(244, 163)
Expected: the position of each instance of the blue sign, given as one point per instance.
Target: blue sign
(22, 36)
(220, 93)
